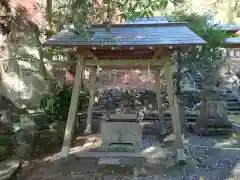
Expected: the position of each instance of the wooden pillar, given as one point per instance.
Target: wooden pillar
(72, 109)
(159, 101)
(173, 107)
(92, 88)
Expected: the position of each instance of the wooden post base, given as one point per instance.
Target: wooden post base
(181, 156)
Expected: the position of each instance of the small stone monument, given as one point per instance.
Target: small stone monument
(122, 129)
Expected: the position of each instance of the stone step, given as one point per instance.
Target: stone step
(152, 114)
(116, 148)
(118, 164)
(234, 108)
(86, 154)
(233, 113)
(149, 119)
(231, 99)
(168, 114)
(233, 104)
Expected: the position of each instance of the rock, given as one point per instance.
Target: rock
(33, 143)
(143, 171)
(40, 121)
(60, 127)
(139, 171)
(23, 143)
(10, 169)
(136, 172)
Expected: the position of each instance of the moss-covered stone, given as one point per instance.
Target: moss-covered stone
(6, 146)
(44, 141)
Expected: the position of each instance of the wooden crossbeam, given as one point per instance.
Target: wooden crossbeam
(124, 62)
(87, 53)
(157, 53)
(161, 53)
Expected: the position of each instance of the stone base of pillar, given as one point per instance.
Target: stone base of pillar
(88, 129)
(181, 156)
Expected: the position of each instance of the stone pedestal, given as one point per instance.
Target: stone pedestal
(121, 132)
(213, 111)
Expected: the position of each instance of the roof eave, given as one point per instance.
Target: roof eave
(232, 45)
(106, 46)
(140, 25)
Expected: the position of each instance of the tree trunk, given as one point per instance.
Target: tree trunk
(41, 64)
(49, 17)
(49, 34)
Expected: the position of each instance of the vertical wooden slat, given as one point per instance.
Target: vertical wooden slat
(72, 109)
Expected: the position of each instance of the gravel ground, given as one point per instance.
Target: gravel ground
(213, 163)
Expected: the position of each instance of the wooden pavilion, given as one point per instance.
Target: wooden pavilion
(135, 45)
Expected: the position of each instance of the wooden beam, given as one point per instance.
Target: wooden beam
(124, 62)
(157, 53)
(72, 109)
(162, 53)
(87, 53)
(173, 105)
(92, 88)
(231, 46)
(142, 51)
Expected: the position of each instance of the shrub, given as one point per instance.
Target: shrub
(57, 102)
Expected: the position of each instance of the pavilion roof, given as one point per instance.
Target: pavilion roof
(151, 20)
(227, 28)
(139, 33)
(233, 42)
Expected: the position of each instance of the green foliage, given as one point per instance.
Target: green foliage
(209, 55)
(89, 12)
(131, 9)
(57, 102)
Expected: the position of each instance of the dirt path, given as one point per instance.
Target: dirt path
(216, 164)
